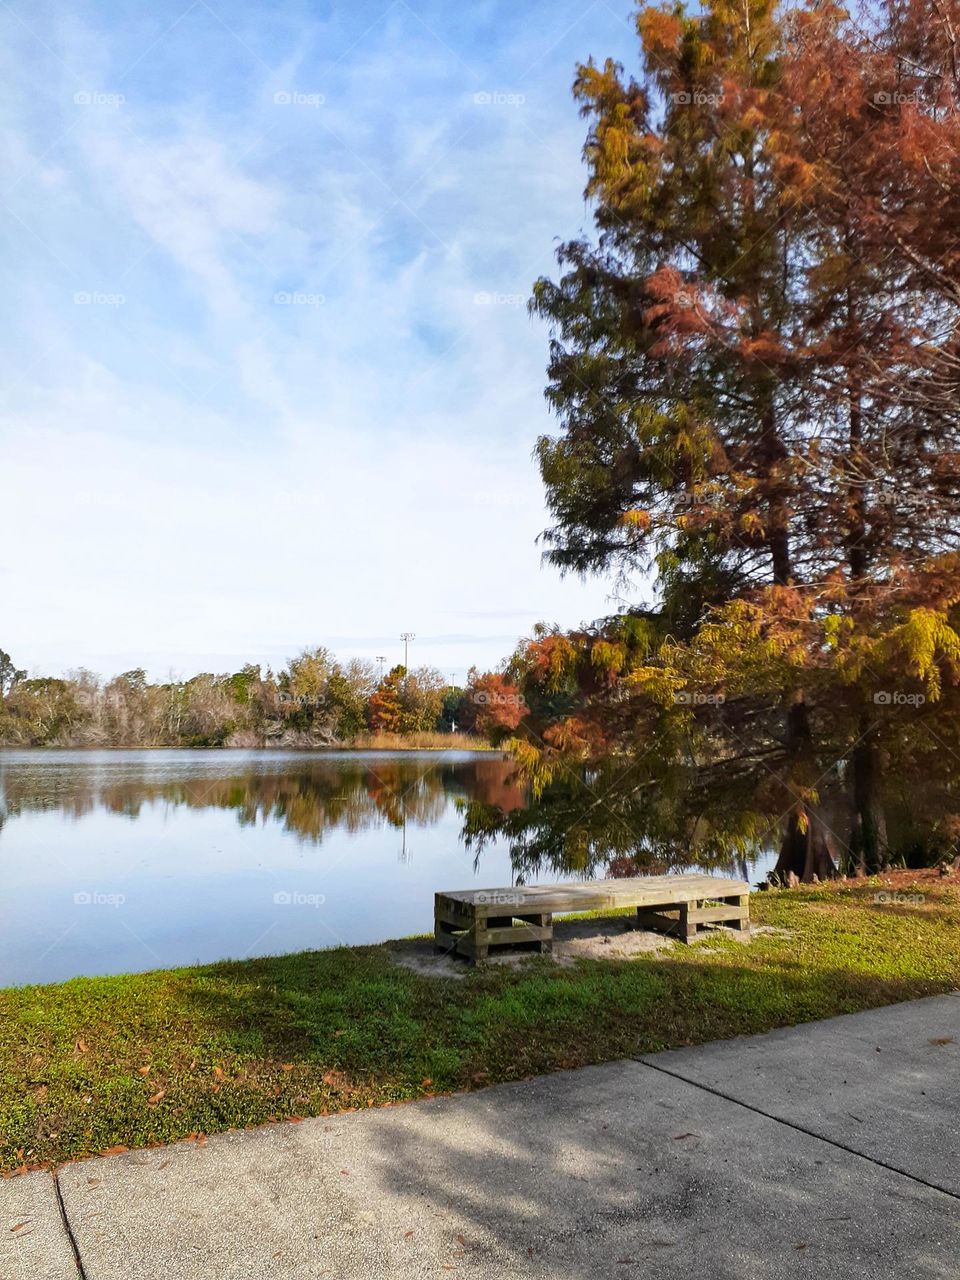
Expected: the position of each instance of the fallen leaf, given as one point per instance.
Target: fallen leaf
(426, 1081)
(144, 1071)
(407, 1235)
(943, 1040)
(286, 1066)
(81, 1046)
(19, 1226)
(156, 1097)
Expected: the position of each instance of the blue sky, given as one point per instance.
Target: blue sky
(269, 379)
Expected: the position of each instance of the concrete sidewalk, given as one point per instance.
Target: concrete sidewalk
(829, 1149)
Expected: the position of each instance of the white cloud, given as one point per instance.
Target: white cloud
(202, 475)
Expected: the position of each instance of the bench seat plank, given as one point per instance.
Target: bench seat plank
(597, 895)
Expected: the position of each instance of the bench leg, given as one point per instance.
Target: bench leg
(544, 921)
(688, 928)
(669, 919)
(477, 946)
(444, 938)
(481, 947)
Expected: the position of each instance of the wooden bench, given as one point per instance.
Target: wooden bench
(469, 922)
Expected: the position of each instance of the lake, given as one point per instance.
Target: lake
(117, 861)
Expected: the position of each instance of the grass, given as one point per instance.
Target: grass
(97, 1063)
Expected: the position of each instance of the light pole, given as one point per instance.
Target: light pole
(406, 637)
(381, 658)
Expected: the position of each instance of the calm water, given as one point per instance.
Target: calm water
(112, 861)
(115, 861)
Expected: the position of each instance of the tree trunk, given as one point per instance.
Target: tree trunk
(868, 836)
(804, 853)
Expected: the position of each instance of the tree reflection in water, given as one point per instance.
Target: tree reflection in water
(305, 795)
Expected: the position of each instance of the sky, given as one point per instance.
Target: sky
(268, 377)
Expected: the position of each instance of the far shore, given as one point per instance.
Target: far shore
(382, 742)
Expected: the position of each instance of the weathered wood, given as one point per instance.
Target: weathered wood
(467, 947)
(712, 915)
(545, 922)
(444, 937)
(471, 921)
(597, 895)
(680, 921)
(665, 922)
(518, 933)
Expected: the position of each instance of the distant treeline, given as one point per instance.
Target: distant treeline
(314, 701)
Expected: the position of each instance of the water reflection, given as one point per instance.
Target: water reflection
(120, 860)
(304, 793)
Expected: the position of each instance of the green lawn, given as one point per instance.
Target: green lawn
(95, 1063)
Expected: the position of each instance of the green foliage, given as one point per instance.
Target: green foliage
(9, 674)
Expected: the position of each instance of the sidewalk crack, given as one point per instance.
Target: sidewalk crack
(790, 1124)
(67, 1228)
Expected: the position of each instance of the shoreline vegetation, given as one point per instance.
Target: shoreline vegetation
(367, 742)
(98, 1064)
(315, 701)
